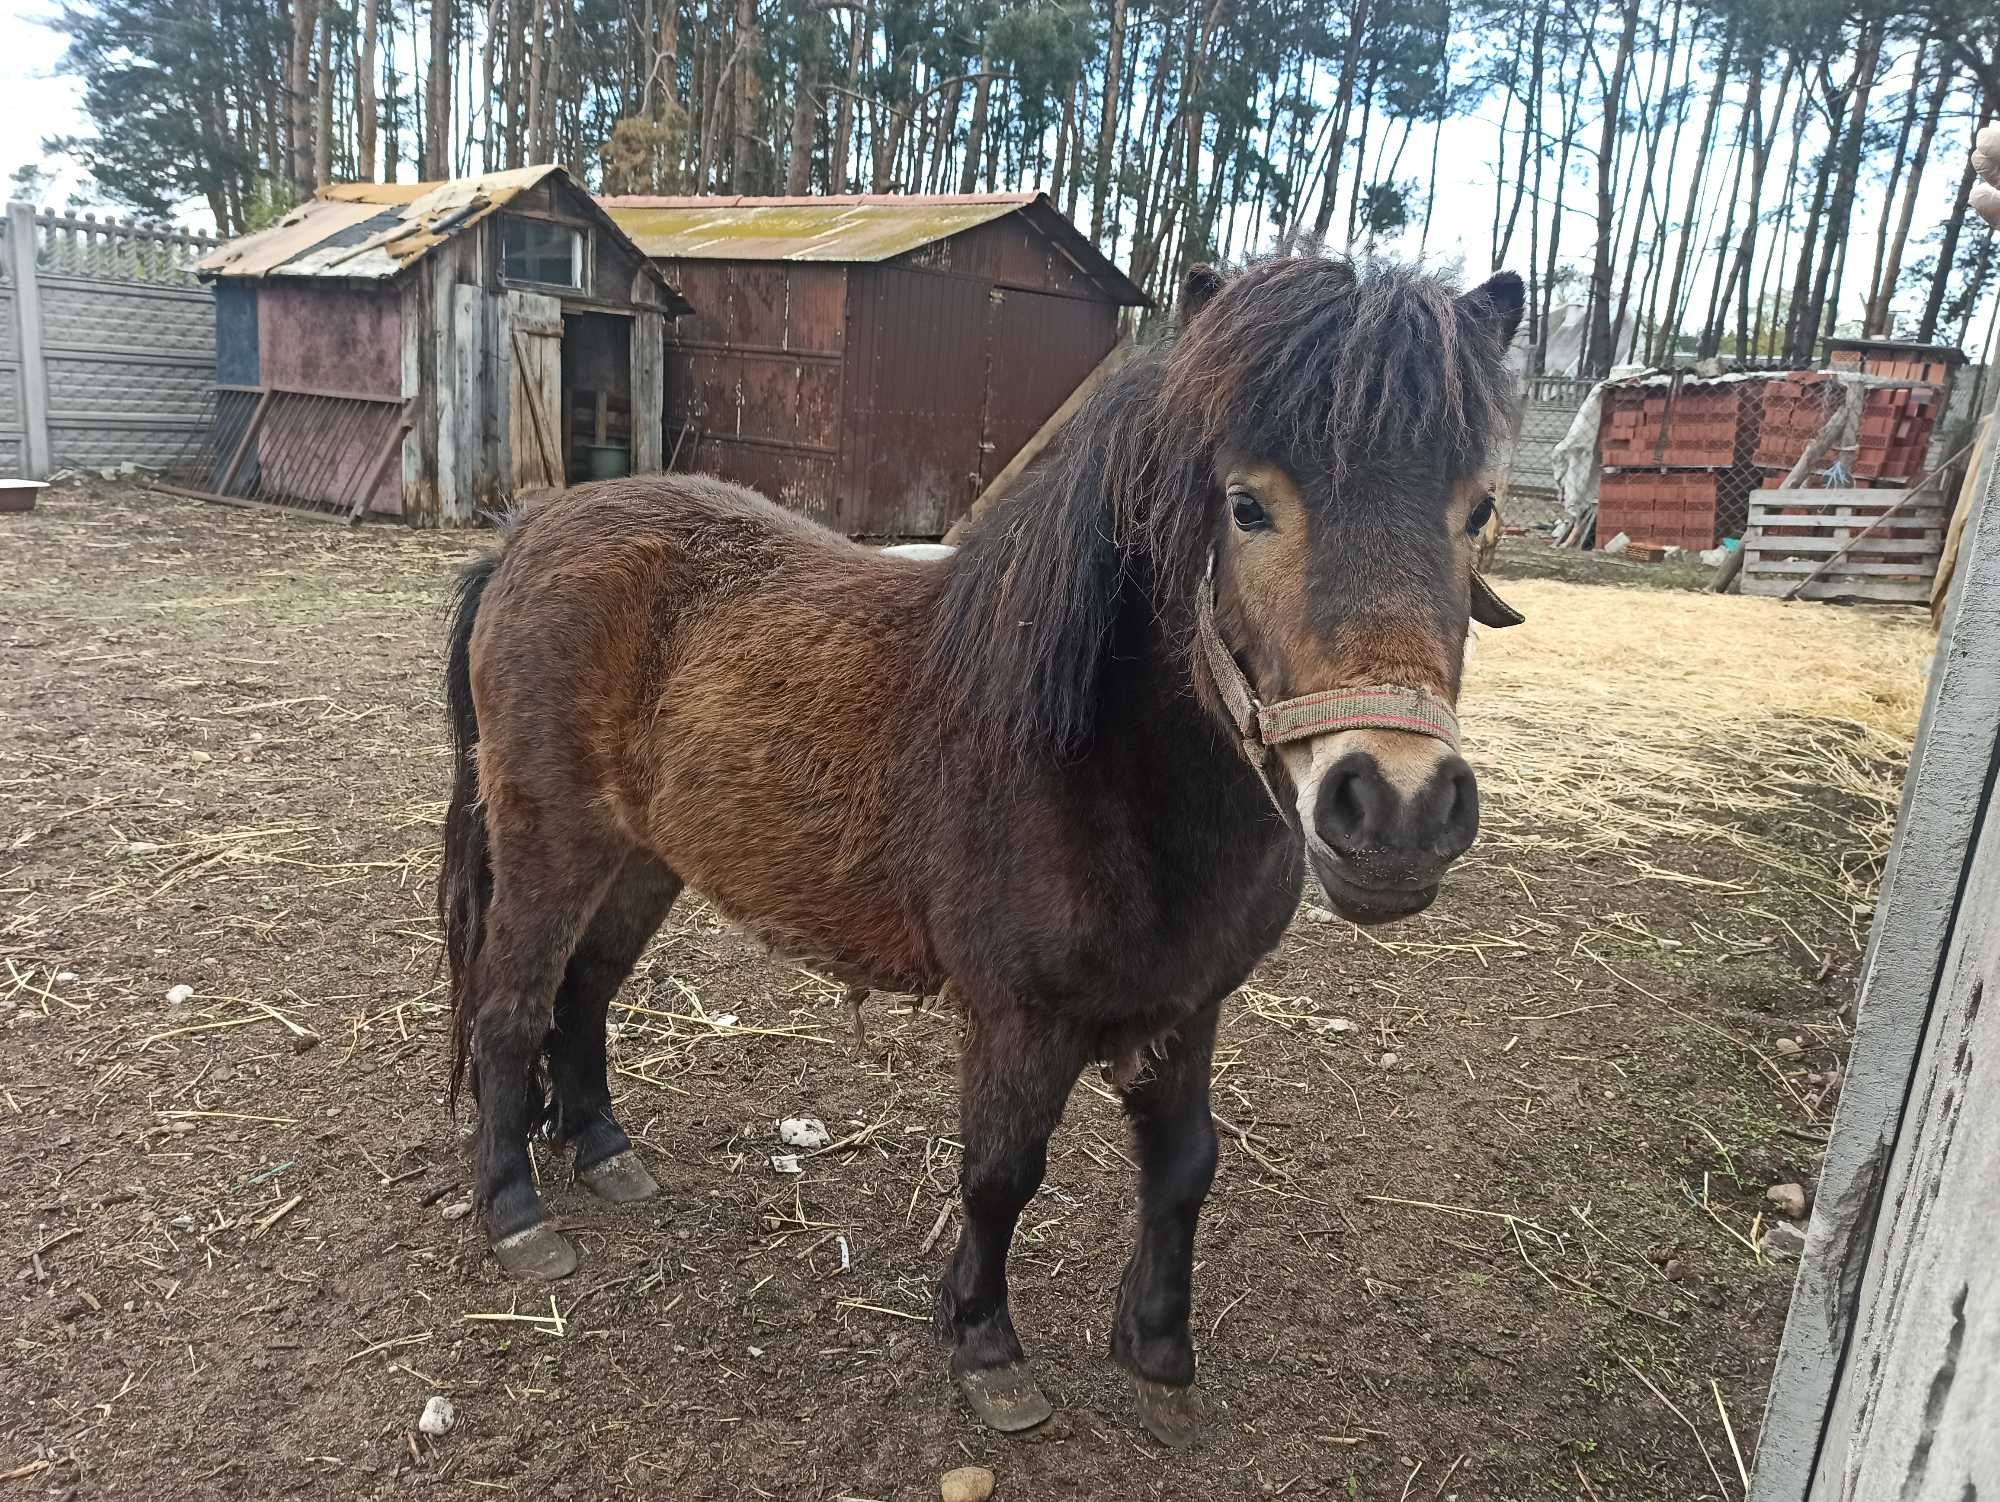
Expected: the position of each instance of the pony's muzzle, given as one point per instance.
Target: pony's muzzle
(1385, 818)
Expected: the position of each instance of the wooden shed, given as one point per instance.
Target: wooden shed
(874, 361)
(429, 349)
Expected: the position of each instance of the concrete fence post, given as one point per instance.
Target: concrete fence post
(28, 341)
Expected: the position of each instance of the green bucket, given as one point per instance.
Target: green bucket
(607, 461)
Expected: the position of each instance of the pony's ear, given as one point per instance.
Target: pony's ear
(1489, 609)
(1197, 287)
(1497, 300)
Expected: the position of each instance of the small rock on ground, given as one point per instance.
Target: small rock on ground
(438, 1417)
(807, 1132)
(1790, 1198)
(1783, 1240)
(458, 1209)
(969, 1483)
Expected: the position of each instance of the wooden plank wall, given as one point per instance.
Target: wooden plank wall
(1888, 1380)
(1842, 544)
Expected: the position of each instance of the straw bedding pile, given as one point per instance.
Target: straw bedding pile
(1647, 724)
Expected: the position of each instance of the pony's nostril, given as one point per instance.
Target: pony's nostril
(1461, 814)
(1347, 812)
(1350, 804)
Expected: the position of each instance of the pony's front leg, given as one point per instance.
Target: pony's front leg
(1015, 1075)
(1168, 1107)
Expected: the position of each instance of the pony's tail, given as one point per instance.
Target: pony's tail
(465, 880)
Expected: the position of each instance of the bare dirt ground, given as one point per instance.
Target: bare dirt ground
(1492, 1184)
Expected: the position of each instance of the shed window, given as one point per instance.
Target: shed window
(534, 250)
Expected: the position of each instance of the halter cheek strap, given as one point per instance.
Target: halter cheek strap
(1261, 726)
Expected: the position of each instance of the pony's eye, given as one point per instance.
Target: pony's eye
(1247, 513)
(1481, 515)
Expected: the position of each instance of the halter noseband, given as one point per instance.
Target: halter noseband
(1261, 726)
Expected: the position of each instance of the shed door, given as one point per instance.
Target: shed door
(534, 398)
(1040, 348)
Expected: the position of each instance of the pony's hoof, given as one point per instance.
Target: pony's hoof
(1169, 1414)
(541, 1251)
(620, 1179)
(1006, 1398)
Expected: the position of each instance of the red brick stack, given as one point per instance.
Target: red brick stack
(1667, 454)
(1680, 460)
(1795, 408)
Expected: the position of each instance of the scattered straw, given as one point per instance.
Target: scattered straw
(1603, 727)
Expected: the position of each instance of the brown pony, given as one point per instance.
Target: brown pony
(1034, 769)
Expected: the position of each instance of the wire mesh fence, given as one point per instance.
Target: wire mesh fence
(1531, 500)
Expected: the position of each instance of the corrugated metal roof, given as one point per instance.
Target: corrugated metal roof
(843, 228)
(370, 231)
(376, 231)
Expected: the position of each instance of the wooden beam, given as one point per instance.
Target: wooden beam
(1870, 1319)
(295, 513)
(1001, 483)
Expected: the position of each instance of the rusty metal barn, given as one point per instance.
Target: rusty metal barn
(875, 361)
(428, 350)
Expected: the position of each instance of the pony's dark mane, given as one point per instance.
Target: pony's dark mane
(1333, 369)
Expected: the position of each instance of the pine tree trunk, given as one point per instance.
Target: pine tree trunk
(1343, 103)
(1360, 181)
(1686, 251)
(533, 148)
(843, 112)
(805, 106)
(323, 103)
(1107, 129)
(1738, 280)
(1063, 133)
(1947, 254)
(490, 151)
(1718, 299)
(437, 94)
(1570, 98)
(299, 96)
(1531, 108)
(1890, 268)
(1598, 354)
(1645, 175)
(745, 175)
(364, 92)
(975, 135)
(1842, 206)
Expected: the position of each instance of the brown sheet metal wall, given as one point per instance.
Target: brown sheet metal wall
(916, 383)
(880, 398)
(754, 377)
(1039, 350)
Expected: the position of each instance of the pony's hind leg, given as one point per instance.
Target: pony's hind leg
(626, 921)
(1014, 1076)
(1175, 1135)
(544, 895)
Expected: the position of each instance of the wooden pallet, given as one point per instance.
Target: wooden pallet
(1797, 535)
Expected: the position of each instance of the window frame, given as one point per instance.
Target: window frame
(580, 257)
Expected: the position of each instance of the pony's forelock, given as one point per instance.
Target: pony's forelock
(1318, 363)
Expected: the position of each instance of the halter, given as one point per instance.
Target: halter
(1260, 726)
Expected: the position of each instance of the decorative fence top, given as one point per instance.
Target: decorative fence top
(85, 245)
